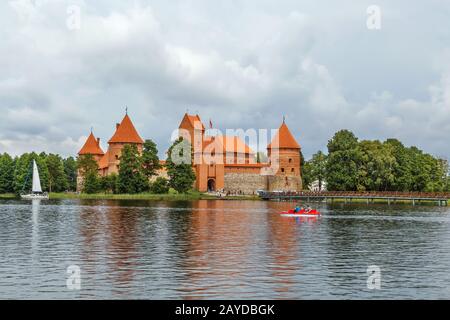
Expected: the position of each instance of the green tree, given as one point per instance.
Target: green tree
(179, 166)
(160, 186)
(91, 182)
(108, 183)
(150, 159)
(342, 140)
(376, 170)
(447, 183)
(88, 169)
(428, 173)
(318, 164)
(342, 166)
(375, 166)
(6, 173)
(402, 167)
(131, 176)
(307, 177)
(70, 170)
(23, 172)
(447, 176)
(57, 180)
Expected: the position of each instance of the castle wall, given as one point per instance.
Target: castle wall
(160, 173)
(243, 169)
(80, 182)
(284, 183)
(246, 183)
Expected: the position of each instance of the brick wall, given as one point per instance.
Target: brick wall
(284, 183)
(247, 183)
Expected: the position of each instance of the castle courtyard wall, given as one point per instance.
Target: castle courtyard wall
(245, 183)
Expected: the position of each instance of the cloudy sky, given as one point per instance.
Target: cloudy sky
(244, 64)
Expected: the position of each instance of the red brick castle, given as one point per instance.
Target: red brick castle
(221, 162)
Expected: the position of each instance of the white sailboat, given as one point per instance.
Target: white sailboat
(36, 190)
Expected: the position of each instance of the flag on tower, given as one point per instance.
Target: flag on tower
(210, 124)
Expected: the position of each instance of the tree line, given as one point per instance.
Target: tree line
(371, 165)
(60, 174)
(57, 174)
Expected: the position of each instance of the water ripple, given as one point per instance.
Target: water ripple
(221, 250)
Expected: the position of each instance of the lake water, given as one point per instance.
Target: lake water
(221, 250)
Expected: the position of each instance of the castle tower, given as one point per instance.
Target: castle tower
(284, 155)
(90, 147)
(192, 129)
(209, 174)
(125, 134)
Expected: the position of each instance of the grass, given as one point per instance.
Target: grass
(171, 196)
(7, 196)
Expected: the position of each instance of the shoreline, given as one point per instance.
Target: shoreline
(191, 196)
(7, 196)
(142, 196)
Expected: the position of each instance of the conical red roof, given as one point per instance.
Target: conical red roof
(126, 133)
(91, 146)
(284, 139)
(103, 162)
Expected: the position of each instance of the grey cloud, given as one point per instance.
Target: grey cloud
(242, 64)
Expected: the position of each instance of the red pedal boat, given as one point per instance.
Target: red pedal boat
(301, 213)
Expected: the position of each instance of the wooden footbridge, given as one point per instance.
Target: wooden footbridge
(440, 198)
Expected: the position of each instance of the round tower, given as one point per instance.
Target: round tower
(125, 134)
(284, 156)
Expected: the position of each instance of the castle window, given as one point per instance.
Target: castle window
(290, 160)
(282, 170)
(292, 170)
(117, 157)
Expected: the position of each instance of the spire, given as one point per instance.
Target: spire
(91, 146)
(284, 139)
(126, 132)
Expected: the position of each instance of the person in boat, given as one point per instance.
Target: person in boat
(297, 209)
(308, 209)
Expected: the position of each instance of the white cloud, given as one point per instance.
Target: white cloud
(241, 64)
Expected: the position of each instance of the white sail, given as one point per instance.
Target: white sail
(36, 180)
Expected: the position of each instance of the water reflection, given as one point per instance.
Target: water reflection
(35, 206)
(220, 249)
(110, 245)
